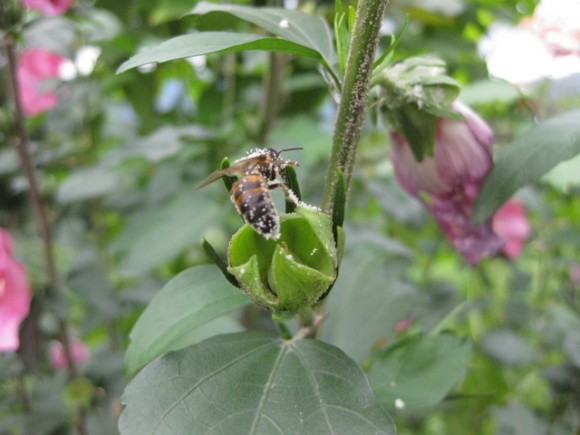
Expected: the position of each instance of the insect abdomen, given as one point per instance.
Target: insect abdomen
(254, 203)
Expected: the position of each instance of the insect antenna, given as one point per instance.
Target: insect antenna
(290, 149)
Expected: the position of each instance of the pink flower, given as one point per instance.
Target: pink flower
(15, 295)
(545, 45)
(79, 353)
(49, 7)
(35, 66)
(448, 183)
(404, 324)
(557, 22)
(511, 223)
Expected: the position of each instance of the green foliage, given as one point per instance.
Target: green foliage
(253, 383)
(527, 159)
(305, 29)
(404, 331)
(198, 44)
(419, 371)
(190, 300)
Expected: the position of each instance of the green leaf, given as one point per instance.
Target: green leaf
(196, 44)
(366, 302)
(301, 28)
(517, 419)
(527, 159)
(221, 264)
(420, 370)
(155, 236)
(341, 33)
(488, 92)
(253, 383)
(291, 181)
(190, 300)
(228, 181)
(338, 206)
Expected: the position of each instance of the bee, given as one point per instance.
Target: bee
(260, 171)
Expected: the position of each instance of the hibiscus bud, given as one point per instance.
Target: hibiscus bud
(291, 272)
(449, 181)
(413, 94)
(15, 295)
(511, 223)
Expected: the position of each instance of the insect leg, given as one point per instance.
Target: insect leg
(288, 193)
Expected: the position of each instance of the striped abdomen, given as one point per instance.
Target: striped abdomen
(254, 203)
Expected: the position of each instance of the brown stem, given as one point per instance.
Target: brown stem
(21, 147)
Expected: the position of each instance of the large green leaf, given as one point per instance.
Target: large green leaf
(366, 302)
(196, 44)
(419, 371)
(527, 159)
(305, 29)
(250, 383)
(189, 301)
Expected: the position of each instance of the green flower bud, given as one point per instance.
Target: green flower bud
(291, 272)
(413, 94)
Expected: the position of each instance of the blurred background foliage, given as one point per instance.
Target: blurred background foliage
(118, 159)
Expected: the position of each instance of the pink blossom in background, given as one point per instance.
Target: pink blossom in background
(34, 66)
(544, 45)
(49, 7)
(79, 353)
(452, 179)
(575, 274)
(511, 223)
(557, 22)
(404, 324)
(15, 295)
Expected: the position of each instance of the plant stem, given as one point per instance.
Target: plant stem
(355, 88)
(270, 103)
(21, 147)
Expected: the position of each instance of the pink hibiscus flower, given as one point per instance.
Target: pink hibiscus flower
(15, 295)
(36, 65)
(448, 182)
(49, 7)
(511, 223)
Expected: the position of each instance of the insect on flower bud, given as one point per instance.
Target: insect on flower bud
(291, 272)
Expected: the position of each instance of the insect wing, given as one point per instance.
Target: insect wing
(216, 175)
(236, 168)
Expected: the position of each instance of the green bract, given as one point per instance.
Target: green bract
(291, 272)
(413, 94)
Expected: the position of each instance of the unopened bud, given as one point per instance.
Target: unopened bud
(291, 272)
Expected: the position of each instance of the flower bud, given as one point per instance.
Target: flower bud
(414, 93)
(451, 179)
(291, 272)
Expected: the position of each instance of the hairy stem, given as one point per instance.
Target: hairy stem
(351, 110)
(21, 147)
